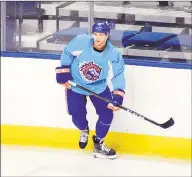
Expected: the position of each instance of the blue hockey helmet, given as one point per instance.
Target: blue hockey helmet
(101, 26)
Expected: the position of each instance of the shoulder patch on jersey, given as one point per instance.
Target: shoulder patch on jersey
(76, 53)
(90, 71)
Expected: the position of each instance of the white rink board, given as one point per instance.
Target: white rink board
(31, 96)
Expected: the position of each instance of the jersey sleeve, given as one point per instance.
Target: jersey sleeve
(118, 68)
(66, 56)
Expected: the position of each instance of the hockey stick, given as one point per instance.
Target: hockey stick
(165, 125)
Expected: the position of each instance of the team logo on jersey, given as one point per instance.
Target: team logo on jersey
(90, 71)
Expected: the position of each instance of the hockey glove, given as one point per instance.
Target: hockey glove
(63, 75)
(117, 96)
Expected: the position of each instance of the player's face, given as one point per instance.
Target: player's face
(99, 40)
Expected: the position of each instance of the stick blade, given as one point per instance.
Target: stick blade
(167, 124)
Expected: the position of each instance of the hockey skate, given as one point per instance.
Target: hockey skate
(84, 138)
(101, 151)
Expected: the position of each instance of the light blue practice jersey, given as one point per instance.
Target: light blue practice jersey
(90, 68)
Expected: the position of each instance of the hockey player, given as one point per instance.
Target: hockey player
(86, 61)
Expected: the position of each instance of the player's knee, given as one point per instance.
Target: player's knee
(106, 117)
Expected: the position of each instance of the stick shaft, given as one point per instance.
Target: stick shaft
(110, 101)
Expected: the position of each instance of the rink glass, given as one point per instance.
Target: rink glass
(47, 26)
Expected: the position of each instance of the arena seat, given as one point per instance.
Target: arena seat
(150, 39)
(30, 8)
(180, 42)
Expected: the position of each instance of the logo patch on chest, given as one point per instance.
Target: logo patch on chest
(90, 71)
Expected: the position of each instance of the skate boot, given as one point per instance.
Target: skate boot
(84, 138)
(101, 151)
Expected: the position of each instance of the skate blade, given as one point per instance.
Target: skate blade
(101, 156)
